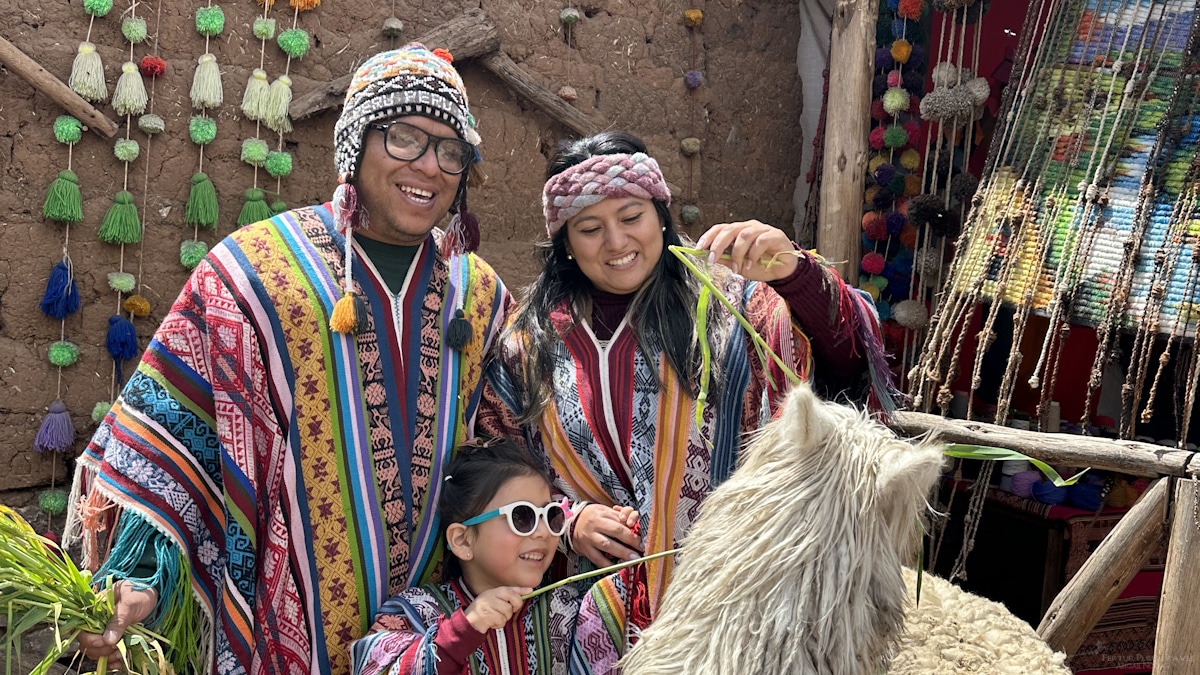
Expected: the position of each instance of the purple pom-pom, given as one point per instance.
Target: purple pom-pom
(895, 223)
(879, 85)
(884, 174)
(57, 433)
(883, 59)
(692, 79)
(917, 59)
(913, 82)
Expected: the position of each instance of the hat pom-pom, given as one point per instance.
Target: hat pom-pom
(459, 332)
(345, 317)
(345, 207)
(444, 54)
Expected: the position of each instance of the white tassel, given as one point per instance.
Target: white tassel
(256, 98)
(87, 74)
(129, 97)
(277, 107)
(206, 85)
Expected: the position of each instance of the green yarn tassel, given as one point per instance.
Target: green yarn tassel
(206, 85)
(63, 353)
(64, 203)
(202, 129)
(255, 208)
(276, 117)
(201, 209)
(257, 96)
(279, 164)
(191, 252)
(87, 74)
(129, 97)
(255, 151)
(67, 130)
(121, 224)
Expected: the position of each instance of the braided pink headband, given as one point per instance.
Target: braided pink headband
(597, 178)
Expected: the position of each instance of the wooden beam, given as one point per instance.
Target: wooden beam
(1129, 457)
(528, 87)
(1176, 649)
(1078, 608)
(40, 79)
(847, 123)
(469, 35)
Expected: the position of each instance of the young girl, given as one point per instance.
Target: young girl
(502, 529)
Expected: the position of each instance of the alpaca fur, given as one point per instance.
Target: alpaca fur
(794, 565)
(951, 632)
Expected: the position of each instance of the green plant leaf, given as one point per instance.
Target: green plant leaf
(989, 453)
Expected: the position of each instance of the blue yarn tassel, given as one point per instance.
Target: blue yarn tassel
(57, 433)
(62, 295)
(121, 341)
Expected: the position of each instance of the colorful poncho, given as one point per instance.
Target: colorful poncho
(291, 465)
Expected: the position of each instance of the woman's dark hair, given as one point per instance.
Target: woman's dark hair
(473, 478)
(665, 306)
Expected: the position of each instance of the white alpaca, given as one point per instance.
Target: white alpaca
(794, 565)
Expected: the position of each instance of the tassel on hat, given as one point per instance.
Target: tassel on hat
(129, 97)
(57, 433)
(206, 84)
(350, 312)
(64, 202)
(121, 341)
(201, 209)
(121, 224)
(276, 114)
(87, 74)
(61, 298)
(255, 100)
(462, 235)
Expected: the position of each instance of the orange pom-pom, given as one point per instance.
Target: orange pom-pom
(912, 185)
(901, 50)
(304, 5)
(342, 320)
(910, 9)
(908, 237)
(444, 54)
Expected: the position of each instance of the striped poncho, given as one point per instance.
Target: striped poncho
(290, 467)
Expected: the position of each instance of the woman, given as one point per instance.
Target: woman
(602, 365)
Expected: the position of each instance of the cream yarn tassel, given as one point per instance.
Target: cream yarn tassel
(206, 85)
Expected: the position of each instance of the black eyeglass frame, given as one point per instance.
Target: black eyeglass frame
(430, 139)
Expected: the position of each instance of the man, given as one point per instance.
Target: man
(270, 481)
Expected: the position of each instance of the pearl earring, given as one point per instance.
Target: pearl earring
(570, 257)
(663, 228)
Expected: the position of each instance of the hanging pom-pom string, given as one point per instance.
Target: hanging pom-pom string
(121, 342)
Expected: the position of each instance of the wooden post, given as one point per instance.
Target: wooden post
(1176, 649)
(526, 86)
(847, 123)
(1107, 572)
(41, 79)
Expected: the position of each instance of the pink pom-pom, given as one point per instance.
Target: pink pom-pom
(872, 263)
(876, 138)
(893, 79)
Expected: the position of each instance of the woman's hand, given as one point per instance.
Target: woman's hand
(603, 534)
(130, 606)
(752, 249)
(494, 607)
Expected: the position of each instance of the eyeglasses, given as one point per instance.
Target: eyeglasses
(523, 517)
(407, 143)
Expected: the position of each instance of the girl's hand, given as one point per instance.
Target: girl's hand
(752, 249)
(130, 606)
(605, 534)
(493, 608)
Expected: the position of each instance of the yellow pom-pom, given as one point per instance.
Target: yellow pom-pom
(910, 159)
(870, 289)
(869, 197)
(876, 160)
(901, 50)
(692, 18)
(342, 320)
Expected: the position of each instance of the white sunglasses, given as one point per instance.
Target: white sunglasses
(523, 517)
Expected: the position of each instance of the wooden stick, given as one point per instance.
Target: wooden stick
(847, 121)
(1089, 594)
(1128, 457)
(468, 36)
(529, 88)
(1176, 650)
(40, 79)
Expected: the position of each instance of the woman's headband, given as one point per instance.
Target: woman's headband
(597, 178)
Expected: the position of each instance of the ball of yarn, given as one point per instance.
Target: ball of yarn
(1086, 495)
(883, 59)
(910, 9)
(895, 222)
(910, 159)
(916, 61)
(878, 85)
(944, 104)
(883, 174)
(100, 410)
(878, 113)
(151, 124)
(255, 151)
(962, 187)
(912, 128)
(152, 66)
(294, 42)
(893, 4)
(134, 29)
(121, 282)
(928, 262)
(882, 198)
(876, 138)
(875, 228)
(872, 263)
(912, 185)
(689, 214)
(191, 252)
(901, 50)
(914, 83)
(879, 281)
(895, 101)
(393, 27)
(264, 29)
(1023, 482)
(924, 209)
(127, 149)
(98, 8)
(908, 236)
(136, 305)
(945, 74)
(692, 18)
(899, 27)
(692, 79)
(210, 21)
(53, 502)
(569, 16)
(690, 146)
(895, 137)
(911, 314)
(67, 129)
(894, 332)
(568, 93)
(894, 78)
(870, 289)
(946, 224)
(1048, 493)
(883, 308)
(979, 89)
(877, 160)
(278, 207)
(202, 129)
(279, 164)
(869, 195)
(63, 353)
(896, 185)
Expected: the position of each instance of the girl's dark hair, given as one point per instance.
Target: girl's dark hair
(473, 478)
(665, 306)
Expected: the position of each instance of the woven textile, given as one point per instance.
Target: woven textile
(293, 465)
